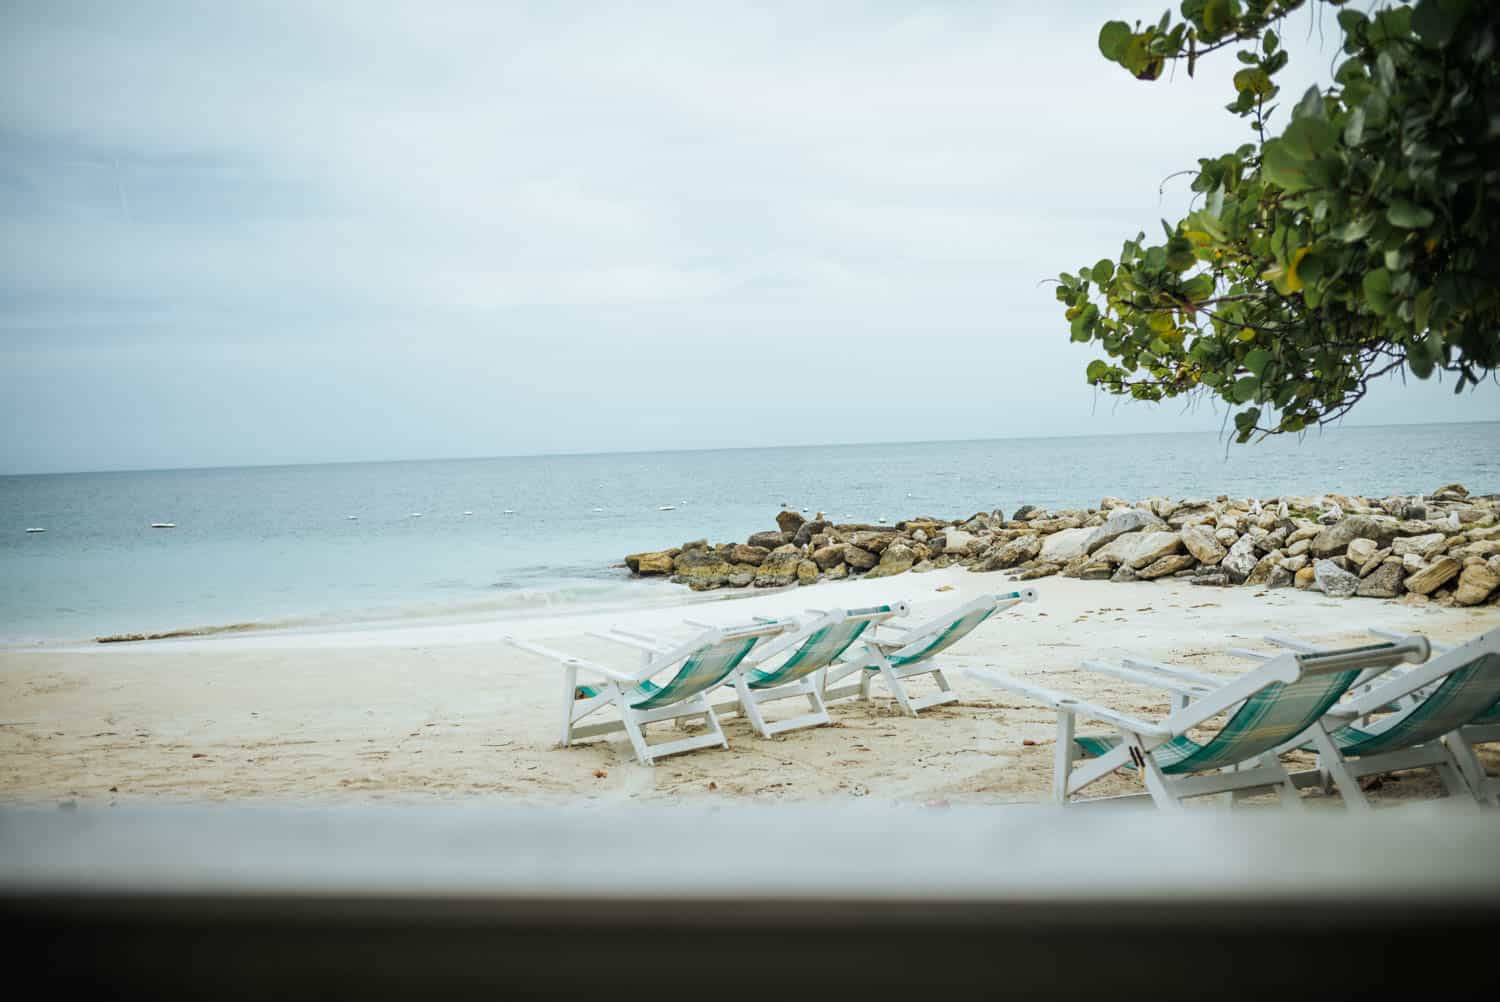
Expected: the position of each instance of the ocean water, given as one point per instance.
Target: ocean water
(512, 536)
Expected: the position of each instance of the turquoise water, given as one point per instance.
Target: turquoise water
(275, 545)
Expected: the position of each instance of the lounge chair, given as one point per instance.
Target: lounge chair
(1436, 713)
(766, 676)
(698, 665)
(895, 655)
(1267, 707)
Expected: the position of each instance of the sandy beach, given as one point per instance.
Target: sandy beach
(449, 710)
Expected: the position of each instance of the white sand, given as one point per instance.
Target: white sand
(447, 709)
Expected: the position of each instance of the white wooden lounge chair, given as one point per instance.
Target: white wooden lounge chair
(1438, 711)
(794, 665)
(1267, 708)
(895, 655)
(697, 665)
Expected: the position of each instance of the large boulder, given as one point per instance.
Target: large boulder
(807, 572)
(1121, 521)
(1475, 584)
(1200, 542)
(874, 541)
(789, 521)
(744, 553)
(1061, 547)
(807, 531)
(1240, 560)
(651, 562)
(1382, 582)
(779, 568)
(1425, 546)
(1011, 553)
(769, 540)
(1335, 538)
(1163, 566)
(826, 557)
(1190, 514)
(1433, 576)
(859, 559)
(897, 559)
(1333, 580)
(1361, 550)
(958, 541)
(1151, 547)
(700, 569)
(1261, 573)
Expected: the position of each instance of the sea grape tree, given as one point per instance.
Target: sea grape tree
(1355, 232)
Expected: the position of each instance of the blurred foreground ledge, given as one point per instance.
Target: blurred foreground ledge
(735, 901)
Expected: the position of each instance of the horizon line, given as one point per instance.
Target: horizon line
(728, 448)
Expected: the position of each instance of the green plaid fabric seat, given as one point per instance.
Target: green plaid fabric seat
(955, 632)
(1470, 695)
(1266, 720)
(699, 673)
(821, 649)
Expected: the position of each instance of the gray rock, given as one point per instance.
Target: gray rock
(827, 557)
(1261, 572)
(1069, 544)
(807, 572)
(804, 535)
(1038, 570)
(1335, 538)
(858, 559)
(1425, 546)
(1333, 580)
(1215, 579)
(1383, 582)
(958, 541)
(1280, 578)
(1169, 564)
(1121, 521)
(1124, 574)
(1200, 542)
(1017, 551)
(1151, 547)
(1240, 560)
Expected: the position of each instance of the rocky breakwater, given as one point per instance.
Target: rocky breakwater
(1442, 547)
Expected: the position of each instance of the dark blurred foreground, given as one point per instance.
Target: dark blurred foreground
(1016, 902)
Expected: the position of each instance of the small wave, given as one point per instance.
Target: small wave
(192, 631)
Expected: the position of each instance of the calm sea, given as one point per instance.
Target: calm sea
(511, 536)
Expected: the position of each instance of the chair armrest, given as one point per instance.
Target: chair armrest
(570, 661)
(1131, 675)
(1173, 671)
(1067, 704)
(627, 640)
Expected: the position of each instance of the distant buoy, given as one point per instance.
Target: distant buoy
(352, 518)
(508, 511)
(416, 514)
(804, 510)
(666, 507)
(36, 530)
(598, 509)
(468, 513)
(163, 525)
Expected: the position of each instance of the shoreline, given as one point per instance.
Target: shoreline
(446, 710)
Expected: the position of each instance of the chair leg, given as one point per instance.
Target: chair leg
(637, 736)
(750, 708)
(1062, 756)
(897, 689)
(570, 687)
(1331, 762)
(1157, 783)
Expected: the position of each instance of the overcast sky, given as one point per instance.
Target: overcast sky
(297, 232)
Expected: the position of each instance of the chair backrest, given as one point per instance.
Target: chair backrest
(831, 636)
(1468, 694)
(941, 633)
(1269, 718)
(708, 662)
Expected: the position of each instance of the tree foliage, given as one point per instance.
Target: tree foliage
(1362, 236)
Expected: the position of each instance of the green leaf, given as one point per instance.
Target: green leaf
(1435, 21)
(1409, 216)
(1097, 370)
(1253, 81)
(1377, 289)
(1308, 138)
(1113, 38)
(1256, 360)
(1283, 169)
(1103, 271)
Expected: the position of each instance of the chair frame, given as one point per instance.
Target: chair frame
(1197, 698)
(1451, 754)
(623, 689)
(901, 655)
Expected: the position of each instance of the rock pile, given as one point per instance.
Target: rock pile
(1443, 547)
